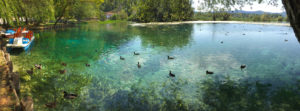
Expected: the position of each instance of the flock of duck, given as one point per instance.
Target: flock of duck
(66, 94)
(73, 96)
(243, 66)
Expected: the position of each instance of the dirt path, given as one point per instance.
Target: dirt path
(6, 103)
(6, 95)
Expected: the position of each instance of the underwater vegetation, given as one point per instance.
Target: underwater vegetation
(211, 67)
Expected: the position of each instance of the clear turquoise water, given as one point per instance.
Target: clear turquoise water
(112, 84)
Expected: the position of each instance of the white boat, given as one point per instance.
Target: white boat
(22, 39)
(20, 42)
(9, 33)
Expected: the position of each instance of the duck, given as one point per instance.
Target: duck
(209, 72)
(243, 66)
(69, 95)
(171, 74)
(30, 71)
(122, 58)
(62, 71)
(169, 57)
(51, 105)
(38, 66)
(222, 42)
(286, 40)
(87, 65)
(64, 64)
(244, 34)
(136, 53)
(139, 65)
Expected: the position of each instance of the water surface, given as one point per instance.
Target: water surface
(112, 84)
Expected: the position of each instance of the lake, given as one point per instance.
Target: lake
(270, 80)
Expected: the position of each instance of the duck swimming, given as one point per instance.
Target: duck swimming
(209, 72)
(122, 58)
(64, 64)
(38, 66)
(243, 66)
(62, 71)
(69, 95)
(136, 53)
(87, 65)
(171, 75)
(139, 65)
(169, 57)
(51, 105)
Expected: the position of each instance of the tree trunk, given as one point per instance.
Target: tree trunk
(26, 20)
(292, 8)
(61, 15)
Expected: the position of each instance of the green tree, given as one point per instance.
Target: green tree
(163, 10)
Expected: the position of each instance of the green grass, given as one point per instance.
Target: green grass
(111, 21)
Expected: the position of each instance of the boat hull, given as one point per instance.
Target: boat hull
(23, 46)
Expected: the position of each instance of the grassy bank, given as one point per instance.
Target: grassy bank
(111, 21)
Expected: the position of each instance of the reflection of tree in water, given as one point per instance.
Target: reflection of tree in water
(167, 36)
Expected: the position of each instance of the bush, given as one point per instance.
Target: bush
(102, 16)
(122, 15)
(280, 18)
(265, 17)
(256, 18)
(114, 17)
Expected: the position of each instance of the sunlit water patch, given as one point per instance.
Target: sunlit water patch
(271, 54)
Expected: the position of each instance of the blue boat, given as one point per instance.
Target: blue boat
(9, 33)
(21, 41)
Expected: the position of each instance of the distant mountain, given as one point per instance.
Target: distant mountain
(257, 12)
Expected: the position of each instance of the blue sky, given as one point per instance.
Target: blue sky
(255, 7)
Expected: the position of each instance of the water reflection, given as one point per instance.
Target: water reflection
(168, 37)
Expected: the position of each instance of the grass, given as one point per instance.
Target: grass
(111, 21)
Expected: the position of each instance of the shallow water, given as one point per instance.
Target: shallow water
(112, 84)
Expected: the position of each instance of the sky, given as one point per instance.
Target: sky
(255, 7)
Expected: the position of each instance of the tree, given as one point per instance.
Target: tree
(35, 12)
(61, 7)
(163, 10)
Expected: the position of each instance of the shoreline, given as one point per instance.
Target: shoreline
(210, 22)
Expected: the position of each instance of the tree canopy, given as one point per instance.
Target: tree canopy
(24, 12)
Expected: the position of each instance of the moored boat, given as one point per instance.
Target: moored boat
(21, 39)
(9, 33)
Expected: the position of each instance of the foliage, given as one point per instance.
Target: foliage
(35, 12)
(163, 10)
(217, 6)
(150, 10)
(240, 17)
